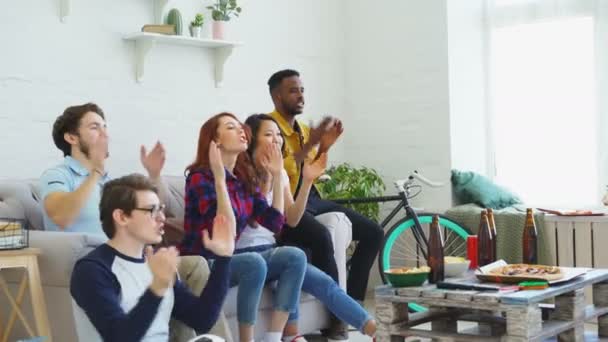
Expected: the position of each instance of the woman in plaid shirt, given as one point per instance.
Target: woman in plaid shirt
(222, 170)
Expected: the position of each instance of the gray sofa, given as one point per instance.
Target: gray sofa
(20, 199)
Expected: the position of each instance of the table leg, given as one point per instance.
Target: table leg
(38, 303)
(523, 323)
(389, 314)
(600, 299)
(15, 309)
(571, 307)
(18, 300)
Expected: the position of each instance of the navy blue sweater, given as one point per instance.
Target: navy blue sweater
(113, 290)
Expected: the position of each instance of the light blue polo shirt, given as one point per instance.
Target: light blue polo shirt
(67, 177)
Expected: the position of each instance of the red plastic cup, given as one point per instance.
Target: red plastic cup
(472, 251)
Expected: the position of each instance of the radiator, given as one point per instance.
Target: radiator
(577, 241)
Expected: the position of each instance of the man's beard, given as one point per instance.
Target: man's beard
(85, 149)
(293, 110)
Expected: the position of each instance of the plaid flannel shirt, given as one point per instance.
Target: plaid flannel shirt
(201, 208)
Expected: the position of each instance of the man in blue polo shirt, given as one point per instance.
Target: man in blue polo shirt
(72, 189)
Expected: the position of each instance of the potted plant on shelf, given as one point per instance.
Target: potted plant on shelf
(221, 11)
(196, 25)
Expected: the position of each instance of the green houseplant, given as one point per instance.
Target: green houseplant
(221, 11)
(196, 25)
(348, 181)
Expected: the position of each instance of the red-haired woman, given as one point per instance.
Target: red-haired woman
(222, 170)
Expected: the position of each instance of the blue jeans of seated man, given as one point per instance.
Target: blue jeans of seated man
(251, 270)
(325, 289)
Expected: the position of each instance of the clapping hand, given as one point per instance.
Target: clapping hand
(154, 161)
(272, 159)
(223, 240)
(163, 265)
(314, 169)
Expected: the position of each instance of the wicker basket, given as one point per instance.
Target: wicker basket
(13, 234)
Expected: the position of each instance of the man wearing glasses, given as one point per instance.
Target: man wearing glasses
(71, 191)
(127, 291)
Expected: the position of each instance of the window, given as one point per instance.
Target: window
(543, 101)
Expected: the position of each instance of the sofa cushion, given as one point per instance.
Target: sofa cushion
(60, 250)
(175, 202)
(471, 187)
(19, 200)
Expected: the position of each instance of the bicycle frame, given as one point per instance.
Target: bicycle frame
(404, 203)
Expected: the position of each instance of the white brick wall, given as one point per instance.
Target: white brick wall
(46, 65)
(382, 66)
(397, 92)
(384, 72)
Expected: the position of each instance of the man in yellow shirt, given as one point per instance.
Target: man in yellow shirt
(287, 94)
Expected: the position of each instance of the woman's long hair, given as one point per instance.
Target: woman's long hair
(243, 169)
(254, 122)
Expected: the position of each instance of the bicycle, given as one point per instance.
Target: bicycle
(405, 243)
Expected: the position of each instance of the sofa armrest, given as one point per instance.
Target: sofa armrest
(341, 230)
(60, 251)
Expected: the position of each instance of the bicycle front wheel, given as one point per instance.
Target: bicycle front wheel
(400, 249)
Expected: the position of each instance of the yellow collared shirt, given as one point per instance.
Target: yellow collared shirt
(294, 141)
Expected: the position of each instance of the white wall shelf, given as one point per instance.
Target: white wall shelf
(145, 41)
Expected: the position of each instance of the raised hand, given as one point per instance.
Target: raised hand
(316, 133)
(222, 243)
(330, 137)
(215, 161)
(272, 159)
(163, 265)
(98, 152)
(314, 169)
(154, 161)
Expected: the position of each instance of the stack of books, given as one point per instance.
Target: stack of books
(162, 29)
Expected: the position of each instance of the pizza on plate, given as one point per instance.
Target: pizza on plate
(529, 271)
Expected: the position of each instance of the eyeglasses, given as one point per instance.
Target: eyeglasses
(154, 211)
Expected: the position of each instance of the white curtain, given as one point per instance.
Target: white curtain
(547, 70)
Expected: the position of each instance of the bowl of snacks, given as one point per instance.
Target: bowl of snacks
(407, 276)
(455, 266)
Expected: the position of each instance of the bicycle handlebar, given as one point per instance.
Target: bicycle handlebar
(403, 185)
(425, 180)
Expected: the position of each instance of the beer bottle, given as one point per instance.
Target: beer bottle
(484, 241)
(494, 233)
(529, 239)
(435, 252)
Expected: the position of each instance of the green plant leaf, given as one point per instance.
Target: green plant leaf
(224, 9)
(350, 182)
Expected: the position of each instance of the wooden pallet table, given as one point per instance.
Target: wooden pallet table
(511, 317)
